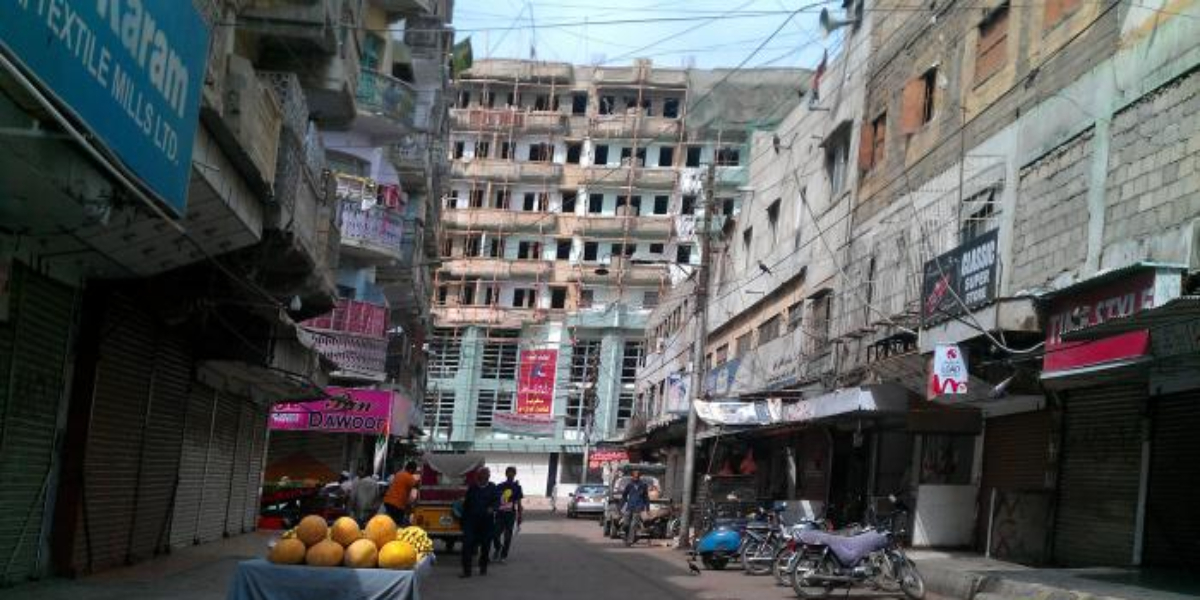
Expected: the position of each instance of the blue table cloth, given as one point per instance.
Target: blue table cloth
(260, 579)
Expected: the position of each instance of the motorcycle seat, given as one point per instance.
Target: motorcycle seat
(848, 549)
(758, 525)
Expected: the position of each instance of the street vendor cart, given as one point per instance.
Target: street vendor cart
(444, 480)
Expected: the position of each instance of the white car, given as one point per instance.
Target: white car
(587, 499)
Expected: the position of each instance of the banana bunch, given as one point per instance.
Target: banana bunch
(289, 534)
(417, 538)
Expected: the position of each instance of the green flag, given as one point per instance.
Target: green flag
(461, 57)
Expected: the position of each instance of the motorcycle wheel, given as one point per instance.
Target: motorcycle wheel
(911, 582)
(805, 566)
(755, 556)
(781, 566)
(714, 563)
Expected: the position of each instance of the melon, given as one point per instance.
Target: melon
(345, 531)
(397, 555)
(288, 551)
(361, 554)
(327, 553)
(312, 529)
(381, 529)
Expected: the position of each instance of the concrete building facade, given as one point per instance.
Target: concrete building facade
(573, 201)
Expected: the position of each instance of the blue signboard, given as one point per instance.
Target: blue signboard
(130, 70)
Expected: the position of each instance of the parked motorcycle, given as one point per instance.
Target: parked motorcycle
(722, 543)
(660, 522)
(872, 557)
(762, 548)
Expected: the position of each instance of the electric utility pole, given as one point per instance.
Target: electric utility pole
(589, 409)
(700, 340)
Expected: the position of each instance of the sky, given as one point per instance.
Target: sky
(672, 33)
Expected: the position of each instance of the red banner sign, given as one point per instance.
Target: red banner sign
(599, 457)
(1078, 311)
(535, 383)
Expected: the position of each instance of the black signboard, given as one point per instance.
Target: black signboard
(960, 280)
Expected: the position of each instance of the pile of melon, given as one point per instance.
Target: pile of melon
(380, 544)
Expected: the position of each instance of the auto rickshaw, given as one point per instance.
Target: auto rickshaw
(444, 480)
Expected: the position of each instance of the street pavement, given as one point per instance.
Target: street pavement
(554, 557)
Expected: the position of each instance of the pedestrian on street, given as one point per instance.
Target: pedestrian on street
(509, 514)
(402, 494)
(637, 496)
(479, 520)
(364, 497)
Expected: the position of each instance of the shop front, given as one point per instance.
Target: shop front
(1108, 416)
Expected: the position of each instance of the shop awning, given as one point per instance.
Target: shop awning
(1183, 311)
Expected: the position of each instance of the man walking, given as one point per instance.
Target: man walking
(478, 521)
(637, 496)
(509, 514)
(402, 494)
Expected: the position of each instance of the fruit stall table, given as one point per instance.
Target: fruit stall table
(260, 579)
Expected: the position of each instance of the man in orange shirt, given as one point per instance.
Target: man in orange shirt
(401, 494)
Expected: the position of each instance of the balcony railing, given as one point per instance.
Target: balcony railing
(653, 227)
(498, 316)
(506, 170)
(505, 119)
(494, 219)
(353, 316)
(378, 231)
(386, 96)
(354, 355)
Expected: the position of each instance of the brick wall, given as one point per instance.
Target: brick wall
(1154, 165)
(1050, 235)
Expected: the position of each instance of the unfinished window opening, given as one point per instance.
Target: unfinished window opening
(683, 254)
(728, 157)
(587, 297)
(503, 199)
(473, 245)
(666, 156)
(506, 150)
(671, 108)
(591, 251)
(773, 220)
(540, 152)
(748, 246)
(524, 298)
(574, 151)
(495, 247)
(460, 148)
(607, 104)
(488, 99)
(447, 247)
(451, 200)
(661, 204)
(464, 99)
(871, 146)
(476, 199)
(600, 156)
(728, 206)
(568, 201)
(562, 250)
(541, 102)
(693, 156)
(688, 205)
(658, 248)
(595, 203)
(529, 250)
(470, 291)
(579, 102)
(558, 298)
(482, 149)
(628, 160)
(929, 92)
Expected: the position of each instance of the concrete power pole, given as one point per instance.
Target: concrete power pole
(700, 335)
(589, 411)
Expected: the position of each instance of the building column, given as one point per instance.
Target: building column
(608, 384)
(466, 384)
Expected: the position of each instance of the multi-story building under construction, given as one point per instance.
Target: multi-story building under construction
(573, 201)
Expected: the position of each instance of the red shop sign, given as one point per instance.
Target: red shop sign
(1090, 307)
(535, 382)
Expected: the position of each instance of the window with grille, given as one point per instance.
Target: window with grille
(439, 413)
(445, 353)
(795, 316)
(631, 359)
(769, 330)
(490, 402)
(581, 365)
(500, 355)
(745, 343)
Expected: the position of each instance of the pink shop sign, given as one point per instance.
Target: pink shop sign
(345, 411)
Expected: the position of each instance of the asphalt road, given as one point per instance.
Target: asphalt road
(555, 558)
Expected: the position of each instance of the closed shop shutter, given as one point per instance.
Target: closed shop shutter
(254, 475)
(115, 435)
(33, 353)
(236, 514)
(1016, 464)
(220, 469)
(1101, 464)
(200, 420)
(1172, 523)
(164, 432)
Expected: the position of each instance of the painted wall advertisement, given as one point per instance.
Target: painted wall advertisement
(963, 278)
(528, 425)
(535, 382)
(677, 393)
(130, 72)
(344, 411)
(948, 374)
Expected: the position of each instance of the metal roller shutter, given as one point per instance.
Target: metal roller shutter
(161, 447)
(1101, 463)
(114, 443)
(1172, 525)
(200, 420)
(258, 430)
(220, 468)
(33, 354)
(1016, 461)
(236, 513)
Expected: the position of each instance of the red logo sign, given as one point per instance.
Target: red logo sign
(1086, 309)
(535, 383)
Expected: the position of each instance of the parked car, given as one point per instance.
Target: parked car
(587, 499)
